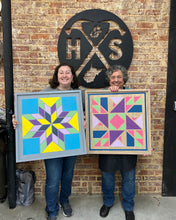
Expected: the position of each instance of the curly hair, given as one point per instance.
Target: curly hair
(115, 68)
(54, 80)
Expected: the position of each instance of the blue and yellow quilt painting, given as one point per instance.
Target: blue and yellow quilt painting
(49, 125)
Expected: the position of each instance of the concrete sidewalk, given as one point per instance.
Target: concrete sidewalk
(86, 207)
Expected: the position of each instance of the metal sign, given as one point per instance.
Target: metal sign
(93, 40)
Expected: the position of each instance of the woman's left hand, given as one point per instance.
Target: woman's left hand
(114, 88)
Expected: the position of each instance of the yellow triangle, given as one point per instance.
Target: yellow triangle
(50, 101)
(74, 122)
(26, 126)
(52, 147)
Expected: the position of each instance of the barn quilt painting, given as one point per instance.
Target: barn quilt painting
(118, 123)
(50, 125)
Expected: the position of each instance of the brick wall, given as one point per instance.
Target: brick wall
(36, 25)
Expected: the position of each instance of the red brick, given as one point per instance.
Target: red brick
(36, 26)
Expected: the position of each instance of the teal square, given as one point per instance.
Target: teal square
(31, 146)
(69, 103)
(29, 106)
(72, 141)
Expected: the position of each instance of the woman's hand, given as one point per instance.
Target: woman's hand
(14, 122)
(114, 88)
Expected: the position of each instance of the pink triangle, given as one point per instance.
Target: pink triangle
(114, 104)
(106, 135)
(120, 138)
(98, 144)
(128, 107)
(102, 110)
(106, 144)
(94, 102)
(140, 141)
(140, 132)
(131, 132)
(134, 119)
(127, 99)
(136, 98)
(100, 124)
(94, 110)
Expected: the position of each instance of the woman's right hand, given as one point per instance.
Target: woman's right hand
(14, 122)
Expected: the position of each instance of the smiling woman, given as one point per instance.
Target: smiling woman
(61, 76)
(59, 171)
(117, 76)
(65, 77)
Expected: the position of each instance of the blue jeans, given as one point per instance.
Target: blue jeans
(58, 170)
(127, 188)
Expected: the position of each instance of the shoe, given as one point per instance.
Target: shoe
(51, 218)
(129, 215)
(104, 211)
(67, 210)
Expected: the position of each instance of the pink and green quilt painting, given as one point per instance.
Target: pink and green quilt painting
(50, 125)
(118, 122)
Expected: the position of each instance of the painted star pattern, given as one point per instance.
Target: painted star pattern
(50, 125)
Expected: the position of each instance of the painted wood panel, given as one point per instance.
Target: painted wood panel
(50, 125)
(118, 123)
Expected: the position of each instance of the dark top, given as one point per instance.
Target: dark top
(111, 163)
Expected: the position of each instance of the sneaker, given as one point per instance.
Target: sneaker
(67, 210)
(51, 218)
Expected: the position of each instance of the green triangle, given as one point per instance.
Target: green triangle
(122, 115)
(137, 135)
(97, 107)
(137, 144)
(130, 102)
(103, 141)
(97, 99)
(95, 140)
(111, 127)
(111, 115)
(139, 101)
(123, 127)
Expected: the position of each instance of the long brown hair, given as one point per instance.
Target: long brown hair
(54, 80)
